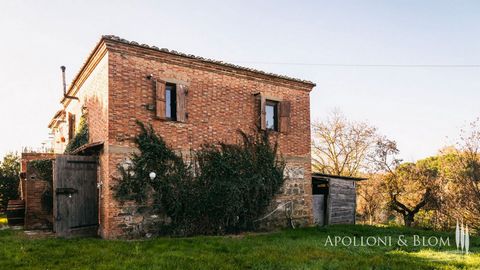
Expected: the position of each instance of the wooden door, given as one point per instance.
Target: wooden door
(319, 208)
(75, 207)
(320, 190)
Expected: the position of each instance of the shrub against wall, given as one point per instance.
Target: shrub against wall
(223, 188)
(44, 168)
(80, 138)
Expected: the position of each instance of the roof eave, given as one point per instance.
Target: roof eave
(117, 39)
(339, 177)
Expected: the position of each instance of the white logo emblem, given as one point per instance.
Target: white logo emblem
(462, 238)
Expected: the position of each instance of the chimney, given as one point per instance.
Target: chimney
(64, 83)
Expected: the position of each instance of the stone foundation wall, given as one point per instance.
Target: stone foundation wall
(292, 207)
(141, 221)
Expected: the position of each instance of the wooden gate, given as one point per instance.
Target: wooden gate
(75, 197)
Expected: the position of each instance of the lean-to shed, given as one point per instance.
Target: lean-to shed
(334, 199)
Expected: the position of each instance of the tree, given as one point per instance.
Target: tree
(9, 179)
(411, 187)
(340, 146)
(467, 176)
(371, 198)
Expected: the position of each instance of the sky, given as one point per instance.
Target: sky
(422, 108)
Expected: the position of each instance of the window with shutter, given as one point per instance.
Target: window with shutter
(271, 115)
(171, 101)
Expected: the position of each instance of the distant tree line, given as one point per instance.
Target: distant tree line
(433, 192)
(9, 179)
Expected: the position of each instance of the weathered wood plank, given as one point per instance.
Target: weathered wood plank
(77, 205)
(342, 201)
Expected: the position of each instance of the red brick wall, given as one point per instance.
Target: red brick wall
(91, 88)
(219, 102)
(24, 159)
(36, 217)
(92, 92)
(114, 88)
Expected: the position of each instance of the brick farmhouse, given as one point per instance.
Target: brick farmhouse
(189, 101)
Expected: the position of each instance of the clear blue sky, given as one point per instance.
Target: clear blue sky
(422, 108)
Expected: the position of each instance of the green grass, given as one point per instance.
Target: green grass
(290, 249)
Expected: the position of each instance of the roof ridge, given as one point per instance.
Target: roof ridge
(218, 62)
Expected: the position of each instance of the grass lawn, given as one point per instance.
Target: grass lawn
(290, 249)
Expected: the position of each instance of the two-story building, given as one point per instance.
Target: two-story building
(188, 100)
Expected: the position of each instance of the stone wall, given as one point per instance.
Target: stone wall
(292, 207)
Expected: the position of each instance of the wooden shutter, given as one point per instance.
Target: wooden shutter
(71, 126)
(182, 91)
(263, 122)
(160, 98)
(284, 116)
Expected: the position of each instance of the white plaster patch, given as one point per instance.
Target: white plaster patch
(294, 172)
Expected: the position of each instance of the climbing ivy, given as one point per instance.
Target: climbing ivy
(222, 188)
(44, 168)
(80, 138)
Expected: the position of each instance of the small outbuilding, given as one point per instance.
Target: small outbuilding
(334, 198)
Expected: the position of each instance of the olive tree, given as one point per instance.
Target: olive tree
(410, 186)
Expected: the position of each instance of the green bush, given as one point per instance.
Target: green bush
(44, 168)
(223, 188)
(80, 138)
(9, 179)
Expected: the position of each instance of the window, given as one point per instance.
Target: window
(271, 117)
(170, 101)
(274, 113)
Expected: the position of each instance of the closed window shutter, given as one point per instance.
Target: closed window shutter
(71, 126)
(263, 122)
(160, 98)
(182, 91)
(284, 116)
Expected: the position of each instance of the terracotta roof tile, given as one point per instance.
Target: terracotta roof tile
(118, 39)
